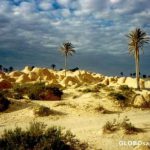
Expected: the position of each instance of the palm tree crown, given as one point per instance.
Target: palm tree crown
(137, 39)
(67, 48)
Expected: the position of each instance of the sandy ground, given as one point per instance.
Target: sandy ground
(79, 115)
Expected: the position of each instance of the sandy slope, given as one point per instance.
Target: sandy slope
(79, 115)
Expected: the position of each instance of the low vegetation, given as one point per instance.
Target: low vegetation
(67, 104)
(42, 111)
(38, 137)
(126, 90)
(102, 110)
(125, 125)
(108, 89)
(119, 97)
(37, 91)
(4, 103)
(93, 89)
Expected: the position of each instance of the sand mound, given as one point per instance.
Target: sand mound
(139, 101)
(27, 69)
(105, 81)
(23, 79)
(33, 76)
(70, 80)
(121, 80)
(43, 73)
(15, 74)
(77, 78)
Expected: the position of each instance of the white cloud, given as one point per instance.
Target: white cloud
(95, 26)
(25, 8)
(66, 13)
(114, 1)
(45, 5)
(64, 2)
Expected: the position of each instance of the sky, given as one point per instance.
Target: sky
(32, 31)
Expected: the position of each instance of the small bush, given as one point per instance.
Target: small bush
(110, 127)
(100, 85)
(126, 90)
(75, 96)
(87, 90)
(108, 89)
(17, 96)
(42, 111)
(101, 109)
(7, 93)
(38, 137)
(21, 88)
(118, 96)
(128, 127)
(124, 125)
(4, 103)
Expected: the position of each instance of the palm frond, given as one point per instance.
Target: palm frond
(137, 38)
(67, 48)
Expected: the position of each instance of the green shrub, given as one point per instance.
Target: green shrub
(108, 89)
(42, 111)
(21, 88)
(110, 127)
(124, 125)
(87, 90)
(17, 96)
(118, 96)
(4, 103)
(93, 89)
(75, 96)
(37, 91)
(40, 91)
(126, 90)
(38, 137)
(100, 85)
(128, 127)
(7, 93)
(101, 109)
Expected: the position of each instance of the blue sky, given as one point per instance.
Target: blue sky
(31, 32)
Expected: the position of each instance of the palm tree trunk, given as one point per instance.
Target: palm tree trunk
(65, 64)
(137, 68)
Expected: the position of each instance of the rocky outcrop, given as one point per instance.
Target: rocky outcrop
(139, 101)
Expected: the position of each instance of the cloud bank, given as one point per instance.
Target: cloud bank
(31, 32)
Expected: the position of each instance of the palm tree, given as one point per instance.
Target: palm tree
(121, 73)
(1, 67)
(53, 66)
(11, 69)
(137, 38)
(68, 49)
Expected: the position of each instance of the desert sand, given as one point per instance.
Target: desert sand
(77, 111)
